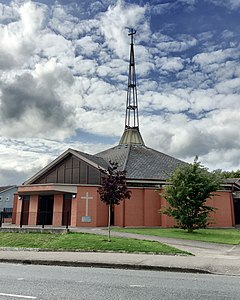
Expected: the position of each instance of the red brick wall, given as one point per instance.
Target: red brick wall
(14, 214)
(166, 221)
(142, 209)
(152, 203)
(119, 218)
(224, 215)
(102, 212)
(134, 208)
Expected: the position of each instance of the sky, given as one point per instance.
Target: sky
(64, 71)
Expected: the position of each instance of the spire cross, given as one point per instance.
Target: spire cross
(131, 33)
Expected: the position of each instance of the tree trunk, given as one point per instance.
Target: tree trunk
(109, 222)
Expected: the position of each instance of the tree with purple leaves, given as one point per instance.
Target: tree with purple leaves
(114, 189)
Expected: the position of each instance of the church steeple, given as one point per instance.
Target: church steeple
(131, 118)
(131, 134)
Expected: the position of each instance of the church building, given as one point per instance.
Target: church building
(65, 192)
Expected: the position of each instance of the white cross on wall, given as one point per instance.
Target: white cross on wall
(86, 198)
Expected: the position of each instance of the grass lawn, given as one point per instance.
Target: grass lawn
(83, 242)
(225, 236)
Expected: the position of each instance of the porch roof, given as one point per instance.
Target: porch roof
(47, 188)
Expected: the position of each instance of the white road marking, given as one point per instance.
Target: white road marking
(18, 296)
(136, 285)
(20, 279)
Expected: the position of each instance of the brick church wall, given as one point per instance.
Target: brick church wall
(142, 209)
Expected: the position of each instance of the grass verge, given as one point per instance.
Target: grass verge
(224, 236)
(83, 242)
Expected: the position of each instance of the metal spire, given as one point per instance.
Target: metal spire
(131, 134)
(131, 118)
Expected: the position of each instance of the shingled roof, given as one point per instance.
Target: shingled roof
(6, 187)
(141, 162)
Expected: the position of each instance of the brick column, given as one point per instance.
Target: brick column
(57, 210)
(33, 210)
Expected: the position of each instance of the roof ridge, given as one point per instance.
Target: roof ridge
(84, 153)
(90, 158)
(127, 156)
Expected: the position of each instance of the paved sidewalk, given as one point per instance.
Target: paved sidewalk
(195, 247)
(209, 258)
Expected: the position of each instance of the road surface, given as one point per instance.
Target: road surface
(54, 282)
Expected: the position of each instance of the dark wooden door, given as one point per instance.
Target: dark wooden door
(66, 214)
(25, 210)
(45, 209)
(237, 211)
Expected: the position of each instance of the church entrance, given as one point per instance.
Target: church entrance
(45, 210)
(66, 211)
(237, 211)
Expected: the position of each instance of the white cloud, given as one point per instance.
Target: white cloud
(234, 3)
(87, 46)
(18, 39)
(230, 4)
(7, 14)
(227, 34)
(182, 43)
(169, 6)
(172, 64)
(32, 18)
(218, 56)
(212, 138)
(155, 101)
(32, 101)
(228, 86)
(114, 23)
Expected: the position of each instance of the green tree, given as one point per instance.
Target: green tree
(189, 189)
(114, 189)
(230, 174)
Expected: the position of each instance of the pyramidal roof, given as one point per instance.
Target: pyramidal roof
(141, 162)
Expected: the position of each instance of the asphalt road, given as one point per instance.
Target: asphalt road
(54, 282)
